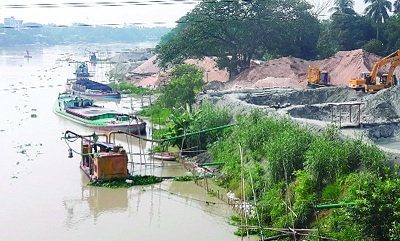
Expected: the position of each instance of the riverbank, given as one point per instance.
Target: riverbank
(379, 113)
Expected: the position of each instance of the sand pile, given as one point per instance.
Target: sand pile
(292, 72)
(149, 73)
(286, 71)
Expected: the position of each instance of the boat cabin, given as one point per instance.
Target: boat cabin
(77, 102)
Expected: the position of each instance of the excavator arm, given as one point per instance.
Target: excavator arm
(395, 56)
(367, 81)
(313, 75)
(391, 80)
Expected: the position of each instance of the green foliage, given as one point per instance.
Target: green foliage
(121, 182)
(331, 193)
(377, 209)
(209, 117)
(374, 46)
(326, 158)
(304, 197)
(127, 88)
(183, 122)
(32, 33)
(390, 37)
(377, 11)
(349, 32)
(294, 168)
(338, 225)
(184, 178)
(343, 7)
(235, 31)
(156, 113)
(272, 207)
(186, 82)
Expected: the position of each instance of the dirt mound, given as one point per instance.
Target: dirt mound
(282, 72)
(148, 67)
(211, 72)
(292, 72)
(383, 106)
(149, 73)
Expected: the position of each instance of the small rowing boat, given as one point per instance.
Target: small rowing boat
(162, 156)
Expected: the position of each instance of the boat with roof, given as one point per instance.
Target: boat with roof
(85, 112)
(82, 85)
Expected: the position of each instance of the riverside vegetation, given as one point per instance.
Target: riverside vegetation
(288, 168)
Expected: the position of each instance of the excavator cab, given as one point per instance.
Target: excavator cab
(316, 78)
(324, 78)
(383, 79)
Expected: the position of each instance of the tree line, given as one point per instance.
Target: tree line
(32, 33)
(236, 32)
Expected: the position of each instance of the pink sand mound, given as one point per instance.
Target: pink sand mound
(292, 72)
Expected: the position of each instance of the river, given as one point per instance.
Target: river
(44, 194)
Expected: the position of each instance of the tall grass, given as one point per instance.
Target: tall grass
(294, 165)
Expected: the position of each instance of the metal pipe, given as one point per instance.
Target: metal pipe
(334, 205)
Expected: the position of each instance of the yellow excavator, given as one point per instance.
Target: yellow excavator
(316, 78)
(391, 78)
(368, 81)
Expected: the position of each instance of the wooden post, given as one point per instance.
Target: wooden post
(351, 107)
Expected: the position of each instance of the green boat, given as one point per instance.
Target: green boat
(83, 111)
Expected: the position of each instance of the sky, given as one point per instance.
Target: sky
(138, 12)
(62, 12)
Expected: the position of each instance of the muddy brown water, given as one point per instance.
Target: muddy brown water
(44, 194)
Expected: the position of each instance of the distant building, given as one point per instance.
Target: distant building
(12, 23)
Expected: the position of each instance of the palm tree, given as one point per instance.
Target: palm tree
(396, 6)
(378, 12)
(343, 7)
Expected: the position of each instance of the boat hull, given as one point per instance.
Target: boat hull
(134, 125)
(98, 95)
(162, 156)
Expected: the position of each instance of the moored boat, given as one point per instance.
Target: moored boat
(83, 111)
(83, 86)
(89, 88)
(82, 70)
(162, 156)
(101, 160)
(27, 55)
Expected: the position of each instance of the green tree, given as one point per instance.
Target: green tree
(377, 210)
(374, 46)
(378, 12)
(343, 7)
(349, 32)
(392, 37)
(234, 31)
(396, 7)
(186, 81)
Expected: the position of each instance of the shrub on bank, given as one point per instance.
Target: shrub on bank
(294, 168)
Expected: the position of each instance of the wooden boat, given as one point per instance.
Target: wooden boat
(101, 160)
(27, 55)
(162, 156)
(89, 88)
(82, 70)
(83, 111)
(93, 57)
(83, 86)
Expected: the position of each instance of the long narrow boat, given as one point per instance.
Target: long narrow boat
(83, 111)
